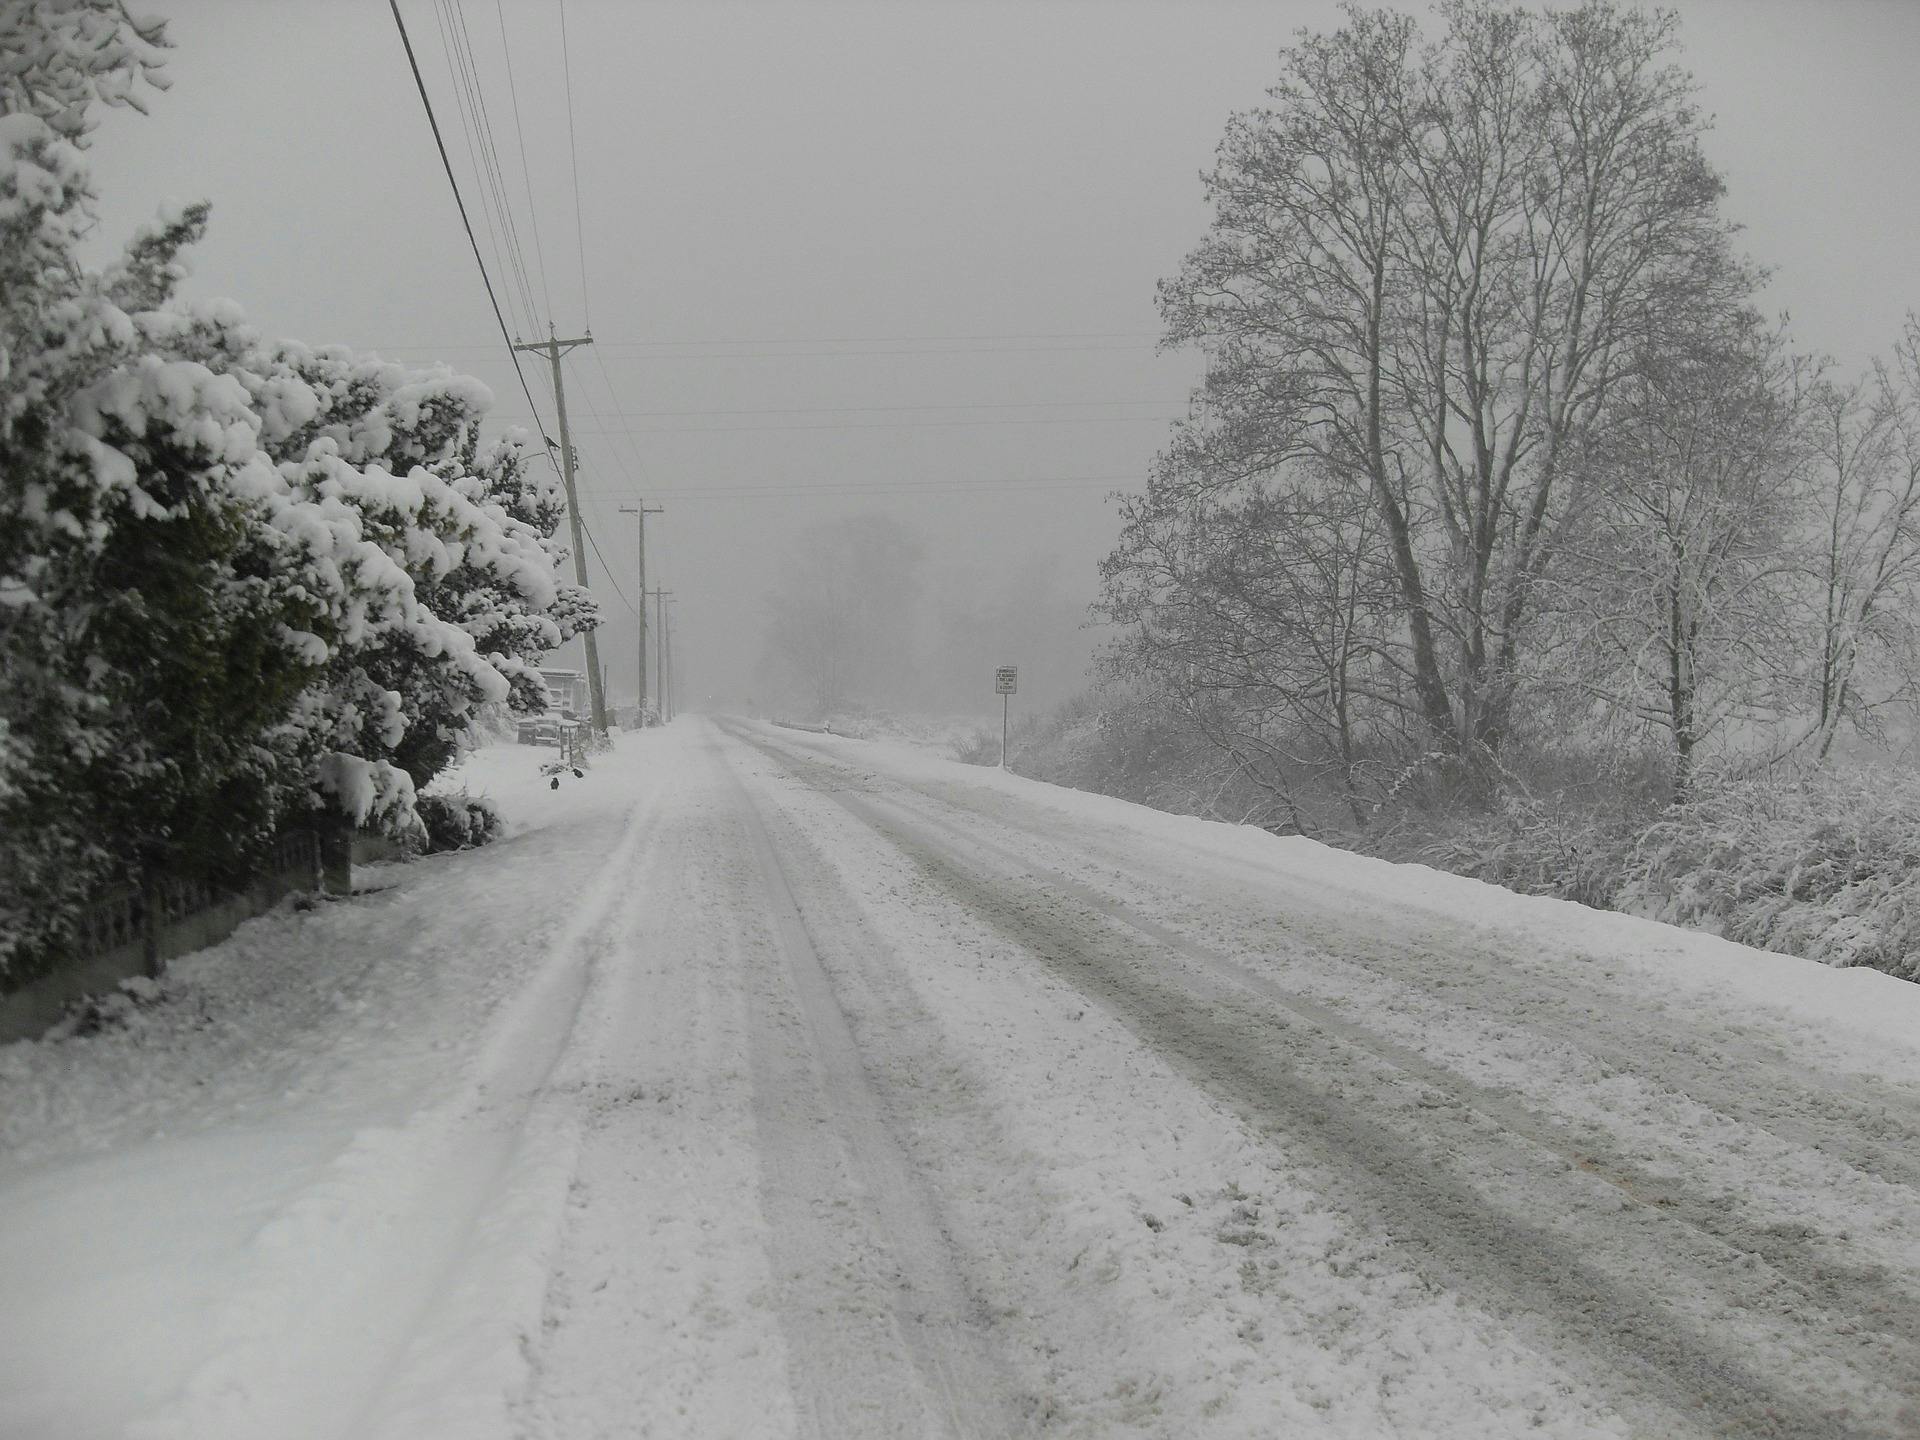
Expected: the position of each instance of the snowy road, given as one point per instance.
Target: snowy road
(770, 1084)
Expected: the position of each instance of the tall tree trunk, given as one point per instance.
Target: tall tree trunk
(1681, 698)
(1429, 685)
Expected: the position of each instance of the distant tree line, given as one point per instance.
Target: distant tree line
(858, 619)
(1495, 455)
(243, 584)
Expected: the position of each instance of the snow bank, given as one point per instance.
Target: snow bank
(316, 1148)
(1865, 1003)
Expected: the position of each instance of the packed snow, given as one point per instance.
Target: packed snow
(765, 1083)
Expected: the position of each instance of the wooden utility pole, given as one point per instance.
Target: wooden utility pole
(553, 349)
(666, 649)
(662, 664)
(640, 513)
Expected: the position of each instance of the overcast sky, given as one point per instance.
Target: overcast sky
(854, 257)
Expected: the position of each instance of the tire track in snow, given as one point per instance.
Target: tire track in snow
(885, 1339)
(1864, 1121)
(1304, 1091)
(1849, 1293)
(656, 1319)
(467, 1362)
(1861, 1132)
(430, 1205)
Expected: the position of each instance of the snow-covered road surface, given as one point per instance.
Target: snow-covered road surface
(768, 1084)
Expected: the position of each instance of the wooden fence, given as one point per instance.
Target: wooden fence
(134, 930)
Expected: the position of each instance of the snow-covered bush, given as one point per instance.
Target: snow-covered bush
(978, 747)
(457, 822)
(240, 582)
(1536, 847)
(469, 529)
(1116, 741)
(1823, 866)
(139, 622)
(1554, 815)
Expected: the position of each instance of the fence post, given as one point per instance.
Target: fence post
(310, 860)
(334, 837)
(150, 921)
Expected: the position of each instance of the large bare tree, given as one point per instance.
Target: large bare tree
(1429, 267)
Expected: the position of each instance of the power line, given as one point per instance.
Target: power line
(626, 431)
(900, 339)
(457, 84)
(499, 170)
(603, 428)
(639, 464)
(493, 174)
(684, 358)
(881, 409)
(887, 354)
(487, 168)
(1036, 484)
(605, 569)
(897, 425)
(832, 340)
(526, 171)
(995, 490)
(573, 151)
(446, 164)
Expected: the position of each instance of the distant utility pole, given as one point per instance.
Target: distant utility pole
(666, 640)
(640, 513)
(662, 662)
(553, 349)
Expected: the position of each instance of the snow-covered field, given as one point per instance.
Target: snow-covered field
(766, 1084)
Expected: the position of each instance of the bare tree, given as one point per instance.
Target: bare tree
(1427, 271)
(1265, 611)
(1863, 523)
(1683, 589)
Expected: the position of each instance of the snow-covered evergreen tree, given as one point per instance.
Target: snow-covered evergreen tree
(240, 582)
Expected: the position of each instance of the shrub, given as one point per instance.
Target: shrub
(1822, 865)
(982, 747)
(1535, 847)
(457, 822)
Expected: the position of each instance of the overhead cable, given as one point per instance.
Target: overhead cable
(502, 257)
(896, 425)
(639, 464)
(446, 164)
(831, 487)
(526, 171)
(573, 151)
(835, 340)
(492, 174)
(601, 426)
(883, 409)
(605, 569)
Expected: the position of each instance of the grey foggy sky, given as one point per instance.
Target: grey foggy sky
(790, 178)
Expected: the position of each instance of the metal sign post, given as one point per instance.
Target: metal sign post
(1006, 681)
